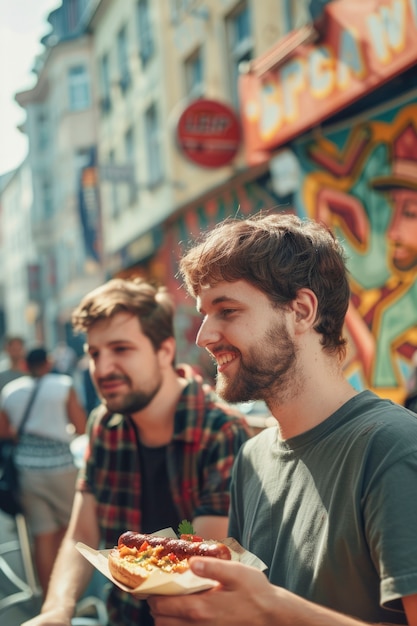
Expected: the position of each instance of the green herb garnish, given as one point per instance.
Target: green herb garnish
(185, 528)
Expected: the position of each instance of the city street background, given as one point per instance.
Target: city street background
(15, 614)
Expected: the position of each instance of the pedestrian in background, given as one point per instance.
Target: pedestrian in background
(161, 447)
(16, 351)
(47, 472)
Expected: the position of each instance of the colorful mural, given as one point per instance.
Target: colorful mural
(361, 180)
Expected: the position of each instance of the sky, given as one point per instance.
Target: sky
(22, 25)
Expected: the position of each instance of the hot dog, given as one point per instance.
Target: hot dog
(137, 555)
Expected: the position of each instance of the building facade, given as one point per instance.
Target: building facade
(125, 170)
(61, 129)
(20, 295)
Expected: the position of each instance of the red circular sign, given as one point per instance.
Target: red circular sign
(208, 133)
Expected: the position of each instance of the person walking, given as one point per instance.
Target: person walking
(327, 498)
(47, 473)
(16, 351)
(161, 445)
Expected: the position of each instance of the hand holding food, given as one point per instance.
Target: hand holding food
(137, 555)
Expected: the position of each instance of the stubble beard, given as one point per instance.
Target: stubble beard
(267, 372)
(132, 402)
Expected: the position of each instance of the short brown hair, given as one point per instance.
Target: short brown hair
(279, 254)
(152, 305)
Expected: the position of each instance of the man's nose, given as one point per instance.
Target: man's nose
(102, 366)
(208, 333)
(394, 228)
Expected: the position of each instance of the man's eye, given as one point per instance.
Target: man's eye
(227, 312)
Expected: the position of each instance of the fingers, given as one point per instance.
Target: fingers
(228, 573)
(237, 584)
(174, 611)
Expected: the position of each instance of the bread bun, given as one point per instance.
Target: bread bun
(126, 571)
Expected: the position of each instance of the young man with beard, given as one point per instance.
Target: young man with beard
(161, 446)
(327, 499)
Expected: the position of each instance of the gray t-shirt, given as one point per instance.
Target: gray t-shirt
(333, 511)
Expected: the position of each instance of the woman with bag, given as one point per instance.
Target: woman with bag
(53, 414)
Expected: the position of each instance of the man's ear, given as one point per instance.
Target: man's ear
(166, 352)
(305, 307)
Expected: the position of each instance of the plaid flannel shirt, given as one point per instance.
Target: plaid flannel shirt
(207, 437)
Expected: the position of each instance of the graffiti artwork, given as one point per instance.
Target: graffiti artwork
(361, 180)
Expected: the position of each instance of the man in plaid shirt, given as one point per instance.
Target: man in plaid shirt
(161, 445)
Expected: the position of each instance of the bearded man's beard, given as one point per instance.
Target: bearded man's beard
(266, 373)
(132, 402)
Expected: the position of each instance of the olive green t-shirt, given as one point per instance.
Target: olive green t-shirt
(333, 511)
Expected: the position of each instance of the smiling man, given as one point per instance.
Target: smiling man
(161, 445)
(327, 498)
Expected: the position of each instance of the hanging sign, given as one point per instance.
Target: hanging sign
(208, 133)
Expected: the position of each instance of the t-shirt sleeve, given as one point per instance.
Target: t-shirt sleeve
(391, 526)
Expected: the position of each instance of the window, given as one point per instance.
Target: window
(114, 208)
(129, 146)
(240, 44)
(193, 69)
(130, 160)
(298, 14)
(51, 272)
(153, 146)
(145, 34)
(123, 59)
(79, 88)
(42, 132)
(179, 9)
(48, 205)
(315, 8)
(104, 73)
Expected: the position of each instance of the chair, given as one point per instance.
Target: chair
(91, 610)
(26, 585)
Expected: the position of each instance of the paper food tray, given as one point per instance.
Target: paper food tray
(164, 583)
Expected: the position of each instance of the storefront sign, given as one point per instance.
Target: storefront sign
(208, 133)
(364, 45)
(89, 209)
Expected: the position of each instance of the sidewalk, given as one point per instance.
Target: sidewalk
(14, 615)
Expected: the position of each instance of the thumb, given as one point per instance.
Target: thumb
(225, 572)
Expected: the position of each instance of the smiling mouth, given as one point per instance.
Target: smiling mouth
(109, 386)
(223, 357)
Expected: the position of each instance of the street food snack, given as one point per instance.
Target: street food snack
(137, 555)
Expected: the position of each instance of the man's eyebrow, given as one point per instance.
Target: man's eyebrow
(114, 342)
(220, 300)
